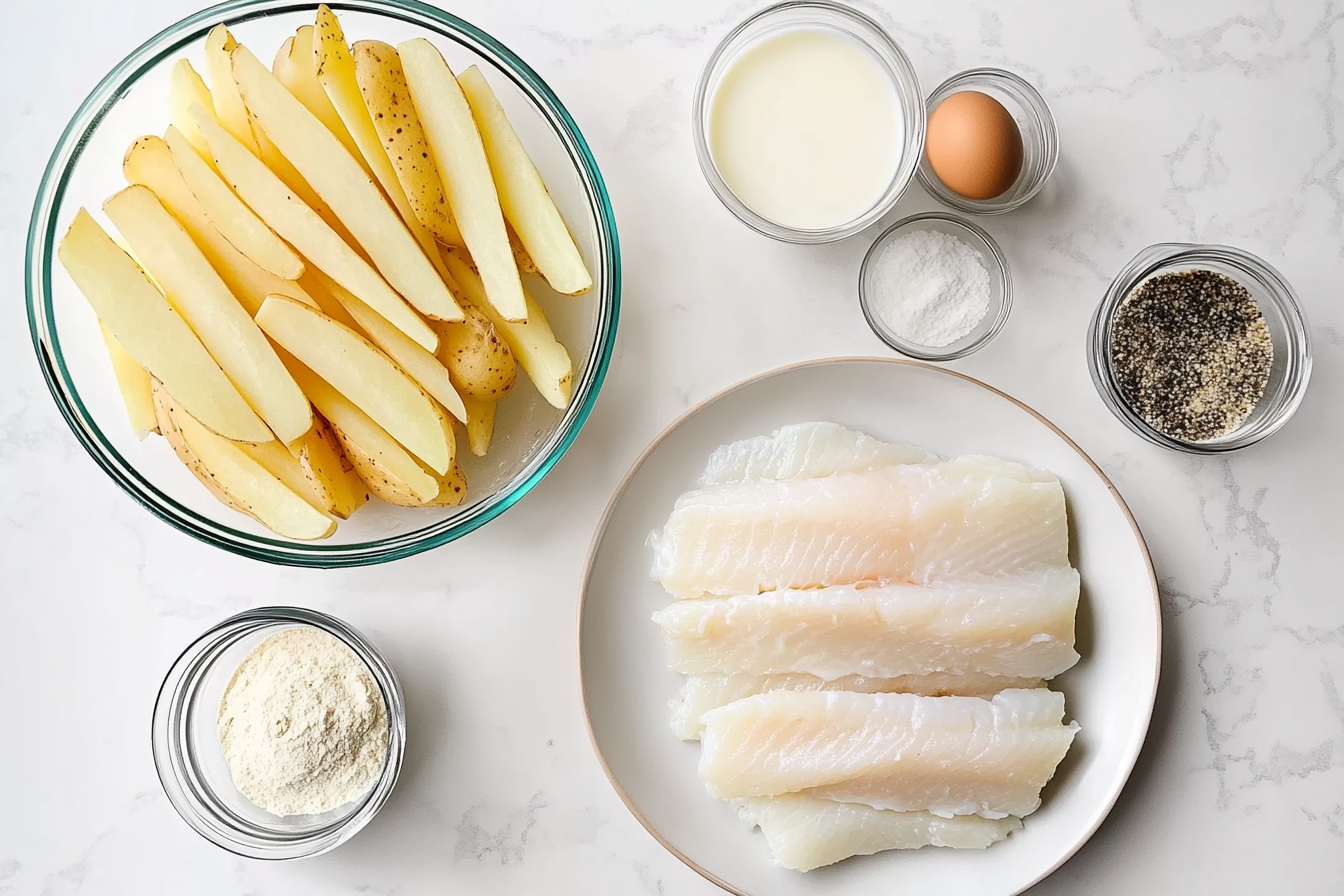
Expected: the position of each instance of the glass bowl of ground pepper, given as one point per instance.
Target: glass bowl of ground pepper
(1200, 348)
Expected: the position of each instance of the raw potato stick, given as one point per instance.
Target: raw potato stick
(456, 145)
(186, 87)
(402, 137)
(134, 383)
(523, 195)
(152, 332)
(228, 104)
(230, 215)
(480, 425)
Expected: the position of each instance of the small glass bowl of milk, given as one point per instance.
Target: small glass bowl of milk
(809, 121)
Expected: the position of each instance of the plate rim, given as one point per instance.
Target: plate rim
(695, 409)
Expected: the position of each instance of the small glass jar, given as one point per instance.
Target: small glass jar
(1040, 139)
(820, 15)
(1000, 285)
(191, 764)
(1288, 375)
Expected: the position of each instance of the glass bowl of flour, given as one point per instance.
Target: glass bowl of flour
(279, 733)
(935, 287)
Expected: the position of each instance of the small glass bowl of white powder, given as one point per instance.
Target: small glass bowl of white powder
(279, 733)
(935, 287)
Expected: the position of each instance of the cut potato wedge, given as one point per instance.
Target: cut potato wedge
(164, 410)
(452, 489)
(203, 300)
(419, 365)
(452, 486)
(480, 362)
(480, 425)
(380, 461)
(330, 473)
(382, 83)
(520, 257)
(352, 365)
(335, 70)
(281, 463)
(238, 480)
(460, 156)
(538, 352)
(230, 215)
(293, 67)
(149, 162)
(229, 106)
(345, 186)
(153, 333)
(186, 87)
(307, 232)
(523, 196)
(134, 383)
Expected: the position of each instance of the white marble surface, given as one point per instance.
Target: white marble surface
(1208, 121)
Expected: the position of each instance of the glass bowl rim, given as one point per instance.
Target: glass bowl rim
(1050, 140)
(924, 352)
(1159, 257)
(914, 113)
(39, 257)
(166, 745)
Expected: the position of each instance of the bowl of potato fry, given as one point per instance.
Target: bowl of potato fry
(323, 286)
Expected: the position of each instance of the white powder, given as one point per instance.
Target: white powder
(929, 287)
(303, 724)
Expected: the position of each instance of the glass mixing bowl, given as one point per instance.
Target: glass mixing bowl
(85, 168)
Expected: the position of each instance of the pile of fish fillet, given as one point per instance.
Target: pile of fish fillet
(866, 631)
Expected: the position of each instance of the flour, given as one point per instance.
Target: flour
(303, 725)
(929, 287)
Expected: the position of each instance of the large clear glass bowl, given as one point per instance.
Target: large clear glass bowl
(85, 168)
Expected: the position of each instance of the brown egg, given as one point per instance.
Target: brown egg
(973, 145)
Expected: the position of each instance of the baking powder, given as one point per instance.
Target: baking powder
(929, 288)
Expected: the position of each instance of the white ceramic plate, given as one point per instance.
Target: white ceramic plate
(626, 684)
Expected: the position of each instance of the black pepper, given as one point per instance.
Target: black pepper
(1192, 353)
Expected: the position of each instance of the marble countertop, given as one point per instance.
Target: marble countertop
(1218, 122)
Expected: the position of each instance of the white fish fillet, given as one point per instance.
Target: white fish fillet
(1020, 626)
(807, 451)
(945, 755)
(806, 833)
(701, 693)
(912, 522)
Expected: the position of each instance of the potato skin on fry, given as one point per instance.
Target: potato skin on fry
(382, 83)
(479, 361)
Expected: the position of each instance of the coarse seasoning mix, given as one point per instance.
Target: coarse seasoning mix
(1192, 353)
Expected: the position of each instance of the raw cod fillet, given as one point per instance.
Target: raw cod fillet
(945, 755)
(806, 833)
(1020, 626)
(701, 693)
(807, 451)
(915, 523)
